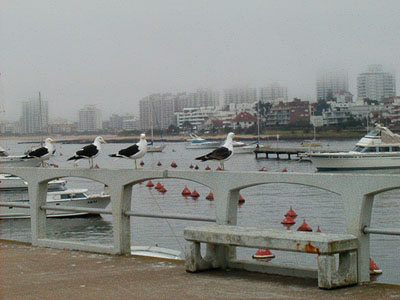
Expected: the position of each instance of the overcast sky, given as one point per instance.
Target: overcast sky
(113, 53)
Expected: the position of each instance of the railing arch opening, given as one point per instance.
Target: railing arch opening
(384, 216)
(266, 205)
(156, 203)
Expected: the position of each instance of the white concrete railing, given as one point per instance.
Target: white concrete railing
(357, 193)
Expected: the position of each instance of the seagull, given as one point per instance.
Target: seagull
(90, 151)
(135, 151)
(42, 153)
(222, 153)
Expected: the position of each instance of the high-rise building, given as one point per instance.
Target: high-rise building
(89, 119)
(35, 116)
(157, 111)
(240, 95)
(376, 84)
(330, 83)
(274, 93)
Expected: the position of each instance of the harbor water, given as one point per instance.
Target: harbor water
(264, 206)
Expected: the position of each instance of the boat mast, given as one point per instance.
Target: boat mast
(258, 122)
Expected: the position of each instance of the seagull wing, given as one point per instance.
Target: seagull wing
(220, 153)
(130, 151)
(88, 151)
(39, 152)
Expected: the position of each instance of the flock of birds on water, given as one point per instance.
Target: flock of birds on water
(134, 152)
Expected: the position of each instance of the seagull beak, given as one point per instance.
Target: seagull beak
(53, 142)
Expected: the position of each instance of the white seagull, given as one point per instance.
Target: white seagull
(90, 151)
(135, 151)
(42, 153)
(222, 153)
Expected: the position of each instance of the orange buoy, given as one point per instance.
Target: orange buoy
(159, 164)
(291, 213)
(196, 167)
(319, 229)
(186, 192)
(241, 199)
(208, 168)
(142, 163)
(173, 164)
(162, 190)
(210, 196)
(191, 166)
(150, 184)
(158, 186)
(195, 194)
(263, 254)
(219, 169)
(304, 227)
(96, 166)
(263, 169)
(284, 170)
(373, 268)
(288, 221)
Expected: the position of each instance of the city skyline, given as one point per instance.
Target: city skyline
(113, 55)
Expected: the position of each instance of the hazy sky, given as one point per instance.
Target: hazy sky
(113, 53)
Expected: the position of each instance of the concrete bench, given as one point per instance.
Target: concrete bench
(218, 238)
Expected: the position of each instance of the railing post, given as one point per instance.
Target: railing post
(358, 209)
(121, 202)
(37, 192)
(226, 214)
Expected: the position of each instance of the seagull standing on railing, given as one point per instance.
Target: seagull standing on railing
(42, 153)
(90, 151)
(135, 151)
(222, 153)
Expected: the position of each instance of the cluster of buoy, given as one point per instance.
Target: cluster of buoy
(159, 187)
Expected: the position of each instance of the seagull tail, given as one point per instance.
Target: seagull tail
(75, 157)
(202, 158)
(26, 157)
(114, 155)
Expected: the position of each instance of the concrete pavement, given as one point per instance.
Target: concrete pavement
(32, 273)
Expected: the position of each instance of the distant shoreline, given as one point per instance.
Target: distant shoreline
(283, 136)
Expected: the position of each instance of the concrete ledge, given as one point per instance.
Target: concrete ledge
(69, 245)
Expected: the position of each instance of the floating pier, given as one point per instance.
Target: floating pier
(289, 151)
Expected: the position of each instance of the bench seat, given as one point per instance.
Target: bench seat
(219, 237)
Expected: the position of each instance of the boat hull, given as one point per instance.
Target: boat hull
(17, 161)
(155, 148)
(329, 162)
(96, 201)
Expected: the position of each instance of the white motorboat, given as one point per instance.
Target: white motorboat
(12, 183)
(65, 198)
(153, 148)
(378, 150)
(196, 142)
(7, 160)
(157, 252)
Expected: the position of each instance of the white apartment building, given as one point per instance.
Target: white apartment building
(89, 119)
(376, 84)
(157, 111)
(35, 116)
(240, 95)
(331, 82)
(274, 93)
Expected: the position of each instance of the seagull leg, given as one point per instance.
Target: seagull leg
(135, 164)
(222, 165)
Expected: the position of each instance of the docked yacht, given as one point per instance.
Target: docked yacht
(66, 198)
(196, 142)
(379, 149)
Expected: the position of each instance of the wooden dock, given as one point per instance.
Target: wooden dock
(289, 151)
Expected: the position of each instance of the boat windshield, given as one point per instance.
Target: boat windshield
(362, 149)
(374, 132)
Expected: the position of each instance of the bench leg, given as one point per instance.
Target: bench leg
(194, 261)
(331, 277)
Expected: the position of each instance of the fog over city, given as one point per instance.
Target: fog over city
(114, 53)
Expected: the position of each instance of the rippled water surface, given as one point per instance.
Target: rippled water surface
(264, 205)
